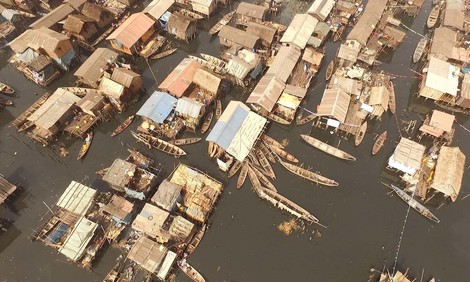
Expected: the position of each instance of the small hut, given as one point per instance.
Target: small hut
(178, 82)
(150, 222)
(129, 79)
(205, 7)
(233, 36)
(407, 156)
(80, 26)
(182, 27)
(167, 195)
(102, 16)
(265, 33)
(334, 104)
(247, 12)
(149, 254)
(266, 93)
(449, 172)
(92, 69)
(209, 85)
(439, 125)
(92, 103)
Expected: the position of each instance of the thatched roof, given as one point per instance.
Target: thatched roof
(449, 172)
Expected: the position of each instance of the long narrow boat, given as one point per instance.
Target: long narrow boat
(254, 179)
(5, 101)
(338, 33)
(379, 143)
(152, 46)
(242, 176)
(271, 141)
(6, 89)
(235, 168)
(196, 239)
(123, 125)
(306, 119)
(218, 109)
(86, 145)
(159, 144)
(283, 203)
(163, 54)
(207, 122)
(191, 272)
(309, 175)
(224, 21)
(265, 163)
(433, 16)
(213, 60)
(277, 118)
(420, 49)
(280, 152)
(330, 70)
(422, 210)
(335, 152)
(253, 159)
(267, 152)
(211, 149)
(360, 135)
(392, 104)
(264, 180)
(186, 141)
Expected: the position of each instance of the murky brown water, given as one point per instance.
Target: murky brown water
(243, 243)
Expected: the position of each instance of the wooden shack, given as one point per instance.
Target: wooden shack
(209, 85)
(129, 79)
(449, 172)
(182, 27)
(265, 33)
(92, 103)
(51, 20)
(102, 16)
(80, 26)
(229, 36)
(247, 12)
(178, 82)
(41, 69)
(91, 71)
(205, 7)
(131, 34)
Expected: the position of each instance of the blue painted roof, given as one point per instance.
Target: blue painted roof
(158, 106)
(226, 128)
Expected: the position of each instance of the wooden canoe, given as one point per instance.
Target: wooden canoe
(159, 144)
(271, 141)
(224, 21)
(123, 125)
(322, 146)
(392, 105)
(433, 16)
(422, 210)
(265, 164)
(5, 101)
(338, 33)
(85, 145)
(207, 122)
(277, 118)
(379, 143)
(280, 152)
(254, 179)
(418, 53)
(191, 272)
(186, 141)
(253, 159)
(264, 180)
(6, 89)
(330, 70)
(163, 54)
(309, 175)
(152, 46)
(211, 149)
(235, 168)
(267, 152)
(242, 176)
(213, 60)
(218, 109)
(196, 239)
(360, 135)
(306, 119)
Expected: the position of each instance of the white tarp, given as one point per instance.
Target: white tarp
(76, 243)
(166, 265)
(77, 198)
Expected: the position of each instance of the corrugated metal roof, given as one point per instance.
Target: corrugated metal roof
(465, 88)
(237, 130)
(207, 80)
(42, 37)
(251, 10)
(157, 8)
(296, 91)
(442, 121)
(148, 254)
(77, 198)
(368, 21)
(53, 17)
(349, 51)
(76, 243)
(266, 92)
(238, 67)
(180, 78)
(265, 32)
(124, 76)
(167, 194)
(150, 220)
(120, 173)
(321, 8)
(299, 30)
(449, 172)
(443, 41)
(189, 107)
(407, 156)
(239, 36)
(90, 70)
(334, 103)
(379, 95)
(442, 76)
(284, 62)
(349, 85)
(129, 32)
(158, 106)
(454, 15)
(54, 108)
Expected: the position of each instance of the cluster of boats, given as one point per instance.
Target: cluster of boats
(8, 91)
